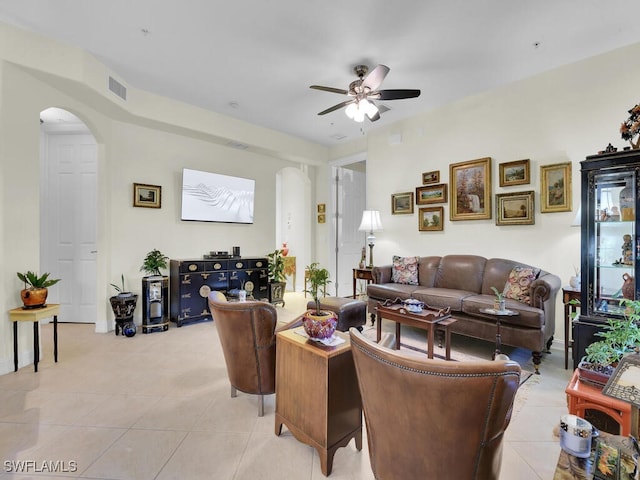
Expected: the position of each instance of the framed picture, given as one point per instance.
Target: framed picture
(470, 185)
(431, 219)
(431, 177)
(148, 196)
(514, 173)
(515, 208)
(321, 218)
(431, 194)
(402, 203)
(322, 207)
(555, 188)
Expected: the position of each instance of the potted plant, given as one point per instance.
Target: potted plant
(34, 294)
(123, 305)
(154, 262)
(317, 323)
(619, 337)
(499, 303)
(277, 280)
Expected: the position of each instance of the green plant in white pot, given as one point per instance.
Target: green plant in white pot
(318, 324)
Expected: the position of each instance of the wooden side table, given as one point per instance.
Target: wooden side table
(581, 397)
(361, 274)
(34, 315)
(569, 294)
(290, 269)
(317, 394)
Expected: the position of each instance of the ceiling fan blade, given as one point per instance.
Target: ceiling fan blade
(375, 117)
(329, 89)
(375, 77)
(395, 94)
(336, 107)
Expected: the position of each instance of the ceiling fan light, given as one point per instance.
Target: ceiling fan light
(370, 109)
(351, 110)
(359, 116)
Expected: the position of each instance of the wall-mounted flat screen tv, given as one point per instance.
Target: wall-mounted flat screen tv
(211, 197)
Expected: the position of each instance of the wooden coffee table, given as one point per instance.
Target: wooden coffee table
(427, 320)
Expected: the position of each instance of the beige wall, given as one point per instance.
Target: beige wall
(556, 117)
(560, 116)
(149, 141)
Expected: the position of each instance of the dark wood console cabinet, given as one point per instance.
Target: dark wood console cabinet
(192, 280)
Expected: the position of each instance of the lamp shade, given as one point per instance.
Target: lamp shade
(370, 221)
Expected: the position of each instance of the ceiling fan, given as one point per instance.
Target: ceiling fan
(363, 91)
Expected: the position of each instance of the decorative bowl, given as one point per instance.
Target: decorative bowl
(319, 327)
(412, 305)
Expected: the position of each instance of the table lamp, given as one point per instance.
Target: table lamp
(370, 223)
(624, 385)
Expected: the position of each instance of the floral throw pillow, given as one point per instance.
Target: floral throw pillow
(518, 283)
(405, 270)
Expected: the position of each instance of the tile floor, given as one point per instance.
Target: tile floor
(157, 406)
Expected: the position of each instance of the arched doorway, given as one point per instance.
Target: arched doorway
(293, 223)
(68, 206)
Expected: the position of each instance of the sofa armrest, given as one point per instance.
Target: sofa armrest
(382, 274)
(544, 288)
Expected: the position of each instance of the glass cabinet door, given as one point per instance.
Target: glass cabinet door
(613, 237)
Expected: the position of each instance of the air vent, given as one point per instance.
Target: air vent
(238, 145)
(117, 88)
(338, 136)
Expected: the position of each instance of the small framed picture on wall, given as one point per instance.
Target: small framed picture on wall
(148, 196)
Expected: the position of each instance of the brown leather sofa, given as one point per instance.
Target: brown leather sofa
(463, 283)
(459, 412)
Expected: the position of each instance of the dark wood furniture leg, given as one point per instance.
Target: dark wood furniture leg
(15, 346)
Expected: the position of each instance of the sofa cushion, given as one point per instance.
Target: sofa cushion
(529, 317)
(518, 283)
(390, 291)
(405, 270)
(442, 297)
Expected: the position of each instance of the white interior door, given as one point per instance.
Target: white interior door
(69, 223)
(350, 194)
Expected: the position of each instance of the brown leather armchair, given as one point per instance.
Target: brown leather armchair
(433, 418)
(247, 332)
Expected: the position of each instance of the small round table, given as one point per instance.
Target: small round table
(497, 315)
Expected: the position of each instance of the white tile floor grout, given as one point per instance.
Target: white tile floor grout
(157, 406)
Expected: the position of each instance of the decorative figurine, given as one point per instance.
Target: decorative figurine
(627, 250)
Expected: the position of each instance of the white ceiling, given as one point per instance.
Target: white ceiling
(255, 59)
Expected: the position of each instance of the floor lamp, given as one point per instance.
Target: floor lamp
(370, 223)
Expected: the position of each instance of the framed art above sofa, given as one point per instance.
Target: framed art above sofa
(470, 186)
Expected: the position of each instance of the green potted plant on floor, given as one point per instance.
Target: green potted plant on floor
(277, 280)
(619, 337)
(34, 294)
(317, 323)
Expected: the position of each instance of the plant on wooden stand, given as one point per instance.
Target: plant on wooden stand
(619, 337)
(34, 294)
(153, 262)
(317, 323)
(499, 303)
(123, 305)
(277, 280)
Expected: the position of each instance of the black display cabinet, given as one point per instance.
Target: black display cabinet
(192, 280)
(610, 242)
(155, 303)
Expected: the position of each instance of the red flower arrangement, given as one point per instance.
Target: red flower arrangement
(631, 127)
